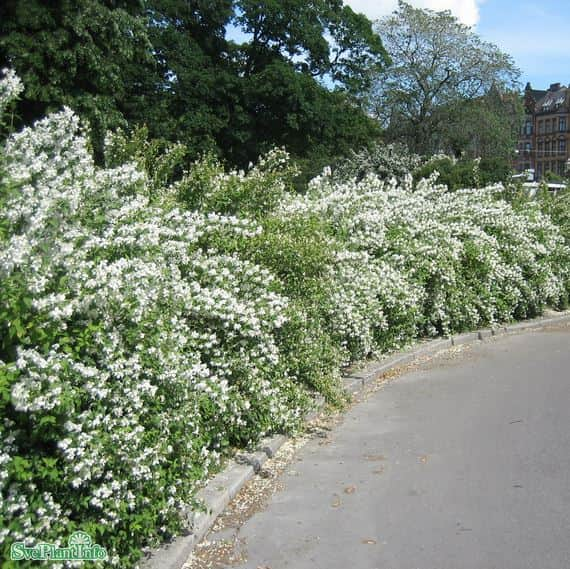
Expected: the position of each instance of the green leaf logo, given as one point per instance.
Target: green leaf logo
(80, 538)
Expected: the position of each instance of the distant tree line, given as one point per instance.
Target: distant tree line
(293, 80)
(313, 76)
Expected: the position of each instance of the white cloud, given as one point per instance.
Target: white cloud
(467, 11)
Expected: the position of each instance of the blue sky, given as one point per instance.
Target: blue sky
(536, 34)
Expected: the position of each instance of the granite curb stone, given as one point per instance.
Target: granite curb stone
(255, 459)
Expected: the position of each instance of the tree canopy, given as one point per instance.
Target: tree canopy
(440, 67)
(293, 80)
(485, 126)
(321, 37)
(73, 53)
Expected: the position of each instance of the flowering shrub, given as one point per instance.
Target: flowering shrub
(297, 250)
(254, 194)
(436, 262)
(147, 325)
(132, 353)
(384, 160)
(396, 161)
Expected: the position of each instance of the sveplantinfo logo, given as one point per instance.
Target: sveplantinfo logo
(80, 547)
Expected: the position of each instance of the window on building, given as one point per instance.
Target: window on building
(547, 125)
(527, 147)
(562, 124)
(528, 128)
(539, 170)
(561, 167)
(540, 127)
(562, 146)
(547, 148)
(540, 148)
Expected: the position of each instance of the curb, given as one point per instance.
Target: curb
(221, 489)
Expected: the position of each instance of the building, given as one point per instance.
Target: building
(544, 140)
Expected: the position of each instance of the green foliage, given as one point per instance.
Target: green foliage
(452, 173)
(550, 176)
(464, 173)
(298, 251)
(162, 161)
(167, 65)
(73, 54)
(255, 193)
(429, 97)
(323, 38)
(486, 127)
(189, 91)
(288, 108)
(494, 170)
(557, 206)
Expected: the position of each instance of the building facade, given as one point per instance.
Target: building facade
(544, 140)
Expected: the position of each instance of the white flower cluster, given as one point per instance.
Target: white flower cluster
(423, 260)
(384, 160)
(10, 87)
(137, 353)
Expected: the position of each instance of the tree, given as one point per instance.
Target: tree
(73, 53)
(319, 37)
(291, 109)
(169, 65)
(240, 99)
(440, 68)
(485, 127)
(302, 67)
(187, 92)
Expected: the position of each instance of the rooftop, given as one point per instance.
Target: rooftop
(546, 101)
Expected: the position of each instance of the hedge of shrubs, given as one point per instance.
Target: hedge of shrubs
(147, 327)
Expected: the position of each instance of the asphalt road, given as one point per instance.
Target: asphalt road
(463, 463)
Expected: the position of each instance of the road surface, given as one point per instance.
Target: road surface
(460, 463)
